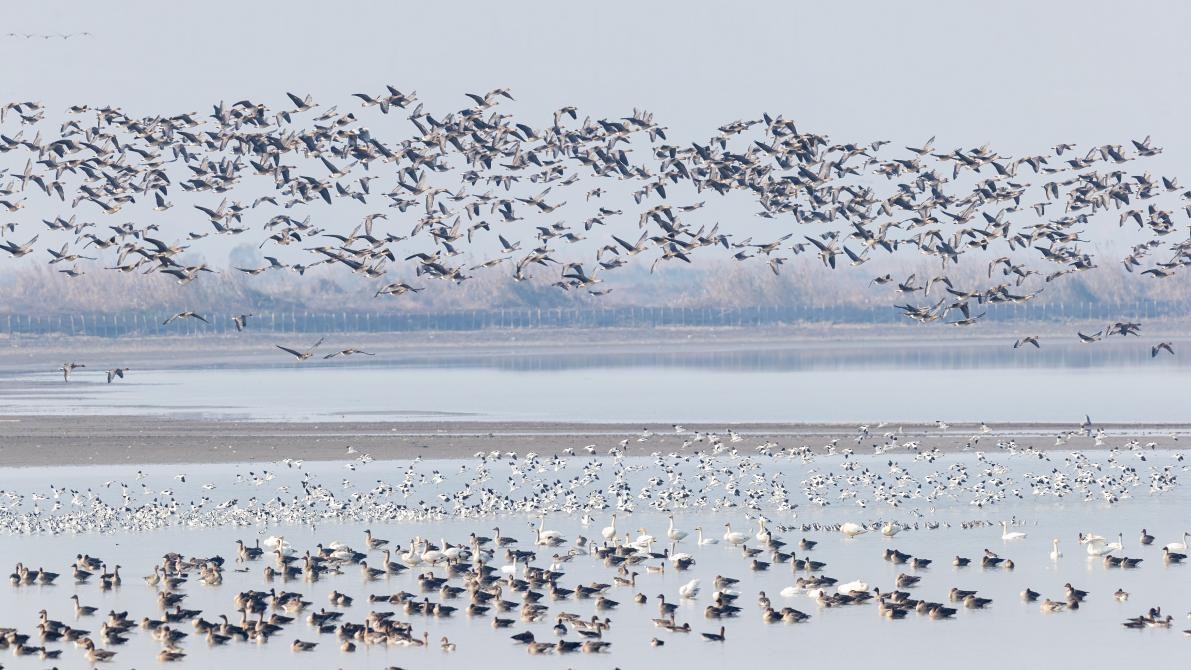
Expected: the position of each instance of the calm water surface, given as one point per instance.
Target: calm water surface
(630, 394)
(853, 635)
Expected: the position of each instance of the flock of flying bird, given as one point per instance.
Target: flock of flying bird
(434, 192)
(509, 582)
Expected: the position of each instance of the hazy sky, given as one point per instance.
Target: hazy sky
(1014, 73)
(1021, 75)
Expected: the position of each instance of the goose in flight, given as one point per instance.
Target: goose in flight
(185, 315)
(302, 355)
(116, 372)
(241, 321)
(1161, 346)
(19, 250)
(1029, 339)
(347, 352)
(67, 368)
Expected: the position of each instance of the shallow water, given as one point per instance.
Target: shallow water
(855, 635)
(1141, 394)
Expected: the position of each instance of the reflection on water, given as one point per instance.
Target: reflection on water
(855, 633)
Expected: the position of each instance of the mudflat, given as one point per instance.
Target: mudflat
(103, 440)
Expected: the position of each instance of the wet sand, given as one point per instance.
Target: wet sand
(104, 440)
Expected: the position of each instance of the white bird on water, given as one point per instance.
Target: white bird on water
(673, 533)
(609, 532)
(1055, 553)
(690, 589)
(1007, 535)
(852, 529)
(733, 537)
(1180, 546)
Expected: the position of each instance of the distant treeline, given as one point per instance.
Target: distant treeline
(725, 294)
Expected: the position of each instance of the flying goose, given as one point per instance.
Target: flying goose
(185, 315)
(67, 368)
(347, 352)
(302, 355)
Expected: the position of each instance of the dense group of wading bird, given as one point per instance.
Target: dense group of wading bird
(522, 585)
(434, 191)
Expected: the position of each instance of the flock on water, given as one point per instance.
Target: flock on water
(521, 584)
(453, 192)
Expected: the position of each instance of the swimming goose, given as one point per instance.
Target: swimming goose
(1172, 557)
(82, 610)
(1146, 538)
(714, 637)
(373, 542)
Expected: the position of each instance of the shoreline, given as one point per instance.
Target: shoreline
(74, 440)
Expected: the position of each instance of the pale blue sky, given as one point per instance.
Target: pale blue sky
(1021, 75)
(1013, 73)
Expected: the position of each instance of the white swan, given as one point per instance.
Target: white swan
(448, 552)
(644, 540)
(680, 556)
(763, 533)
(673, 533)
(1119, 545)
(1086, 538)
(702, 540)
(547, 535)
(1099, 548)
(890, 529)
(1006, 534)
(410, 557)
(429, 555)
(852, 529)
(1180, 546)
(855, 585)
(733, 538)
(790, 592)
(690, 589)
(1055, 553)
(609, 532)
